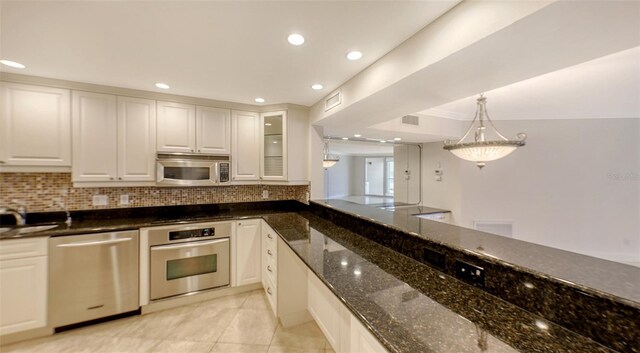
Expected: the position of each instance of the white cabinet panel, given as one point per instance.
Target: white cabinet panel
(35, 125)
(362, 341)
(136, 139)
(248, 252)
(213, 127)
(23, 285)
(176, 130)
(324, 307)
(245, 151)
(94, 137)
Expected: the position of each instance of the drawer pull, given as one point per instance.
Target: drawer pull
(269, 236)
(269, 252)
(269, 268)
(269, 290)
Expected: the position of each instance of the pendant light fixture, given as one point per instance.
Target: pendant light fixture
(328, 160)
(481, 150)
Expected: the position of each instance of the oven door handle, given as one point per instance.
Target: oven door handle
(188, 245)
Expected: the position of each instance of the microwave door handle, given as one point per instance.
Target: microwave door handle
(188, 245)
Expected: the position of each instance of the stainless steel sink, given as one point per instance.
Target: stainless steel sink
(22, 230)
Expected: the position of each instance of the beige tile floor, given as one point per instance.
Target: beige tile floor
(240, 323)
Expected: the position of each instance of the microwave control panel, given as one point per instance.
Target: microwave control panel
(224, 172)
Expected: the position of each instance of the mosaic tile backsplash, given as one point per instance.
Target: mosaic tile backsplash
(40, 190)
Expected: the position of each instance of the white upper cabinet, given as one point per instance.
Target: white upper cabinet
(273, 140)
(245, 146)
(176, 130)
(213, 130)
(94, 137)
(35, 126)
(113, 138)
(136, 139)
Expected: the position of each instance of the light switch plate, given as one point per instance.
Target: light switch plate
(265, 194)
(124, 199)
(100, 200)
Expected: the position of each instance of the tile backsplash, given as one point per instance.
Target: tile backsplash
(40, 190)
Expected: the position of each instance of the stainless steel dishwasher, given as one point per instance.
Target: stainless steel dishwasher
(92, 276)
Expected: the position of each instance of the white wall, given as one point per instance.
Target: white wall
(338, 178)
(407, 187)
(574, 186)
(357, 175)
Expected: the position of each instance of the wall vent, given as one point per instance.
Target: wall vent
(411, 120)
(504, 228)
(333, 100)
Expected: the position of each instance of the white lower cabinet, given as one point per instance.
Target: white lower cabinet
(324, 307)
(23, 285)
(343, 331)
(248, 252)
(362, 341)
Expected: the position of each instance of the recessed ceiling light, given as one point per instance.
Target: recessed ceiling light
(397, 139)
(275, 141)
(162, 85)
(354, 55)
(357, 135)
(317, 86)
(295, 39)
(267, 124)
(383, 141)
(345, 138)
(13, 64)
(259, 100)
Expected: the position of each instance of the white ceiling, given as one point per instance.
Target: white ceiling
(225, 50)
(360, 148)
(608, 87)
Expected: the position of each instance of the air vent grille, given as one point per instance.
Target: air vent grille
(411, 120)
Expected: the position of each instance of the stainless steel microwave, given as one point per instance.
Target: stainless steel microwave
(181, 169)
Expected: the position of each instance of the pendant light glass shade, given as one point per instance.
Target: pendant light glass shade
(329, 160)
(481, 150)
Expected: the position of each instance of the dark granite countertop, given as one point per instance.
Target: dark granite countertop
(96, 221)
(414, 210)
(411, 307)
(606, 278)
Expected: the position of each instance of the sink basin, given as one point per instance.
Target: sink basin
(22, 230)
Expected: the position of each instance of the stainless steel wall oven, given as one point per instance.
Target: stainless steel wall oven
(188, 258)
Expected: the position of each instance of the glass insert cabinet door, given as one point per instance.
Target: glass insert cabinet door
(273, 164)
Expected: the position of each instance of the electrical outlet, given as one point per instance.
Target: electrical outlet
(124, 200)
(100, 200)
(435, 258)
(470, 273)
(265, 194)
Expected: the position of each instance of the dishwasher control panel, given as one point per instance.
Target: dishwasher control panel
(193, 233)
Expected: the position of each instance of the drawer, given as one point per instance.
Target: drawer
(271, 270)
(270, 237)
(272, 293)
(21, 248)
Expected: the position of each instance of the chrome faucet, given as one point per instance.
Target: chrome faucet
(64, 208)
(19, 216)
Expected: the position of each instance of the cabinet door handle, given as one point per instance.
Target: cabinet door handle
(269, 268)
(269, 290)
(119, 178)
(111, 178)
(269, 252)
(269, 236)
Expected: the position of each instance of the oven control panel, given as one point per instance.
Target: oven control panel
(193, 233)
